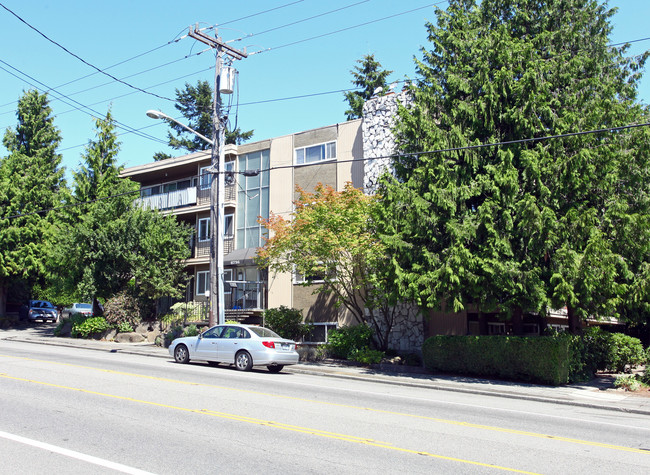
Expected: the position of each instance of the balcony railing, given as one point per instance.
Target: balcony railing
(244, 295)
(187, 197)
(172, 199)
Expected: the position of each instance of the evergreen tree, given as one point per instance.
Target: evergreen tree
(527, 225)
(195, 104)
(109, 242)
(98, 174)
(31, 183)
(368, 76)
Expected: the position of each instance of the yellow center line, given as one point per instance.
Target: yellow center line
(273, 424)
(349, 406)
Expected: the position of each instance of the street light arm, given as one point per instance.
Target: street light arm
(161, 115)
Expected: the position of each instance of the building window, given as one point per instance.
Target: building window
(202, 282)
(320, 331)
(150, 191)
(531, 329)
(177, 185)
(311, 278)
(228, 223)
(205, 178)
(496, 328)
(252, 200)
(316, 153)
(227, 279)
(204, 229)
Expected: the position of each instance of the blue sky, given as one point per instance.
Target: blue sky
(300, 48)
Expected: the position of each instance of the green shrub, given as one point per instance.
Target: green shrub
(287, 322)
(123, 308)
(90, 326)
(124, 327)
(173, 333)
(645, 377)
(59, 328)
(343, 341)
(537, 359)
(628, 382)
(366, 356)
(191, 330)
(605, 351)
(184, 311)
(625, 352)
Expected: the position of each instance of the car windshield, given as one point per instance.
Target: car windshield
(264, 332)
(84, 305)
(42, 304)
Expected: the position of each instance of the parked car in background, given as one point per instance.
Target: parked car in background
(244, 346)
(85, 309)
(38, 310)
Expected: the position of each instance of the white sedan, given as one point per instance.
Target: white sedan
(244, 346)
(85, 309)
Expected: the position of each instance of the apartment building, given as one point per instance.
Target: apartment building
(330, 155)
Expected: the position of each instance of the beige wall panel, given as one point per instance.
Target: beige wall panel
(349, 146)
(280, 289)
(281, 180)
(280, 286)
(316, 307)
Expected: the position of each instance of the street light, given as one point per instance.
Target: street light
(217, 198)
(161, 115)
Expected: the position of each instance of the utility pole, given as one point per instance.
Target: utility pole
(217, 188)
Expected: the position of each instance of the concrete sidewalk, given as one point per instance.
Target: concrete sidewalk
(598, 393)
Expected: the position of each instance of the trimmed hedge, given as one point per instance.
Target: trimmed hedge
(543, 360)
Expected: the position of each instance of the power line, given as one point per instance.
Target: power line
(364, 159)
(83, 60)
(348, 28)
(478, 146)
(118, 195)
(82, 106)
(260, 13)
(298, 21)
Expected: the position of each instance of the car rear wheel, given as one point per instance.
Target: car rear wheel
(181, 355)
(243, 361)
(276, 368)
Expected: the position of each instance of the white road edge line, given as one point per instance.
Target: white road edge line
(76, 455)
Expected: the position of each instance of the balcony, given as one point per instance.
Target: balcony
(169, 200)
(190, 196)
(202, 248)
(244, 295)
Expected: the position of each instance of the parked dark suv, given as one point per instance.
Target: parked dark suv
(39, 310)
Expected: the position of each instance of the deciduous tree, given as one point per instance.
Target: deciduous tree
(332, 235)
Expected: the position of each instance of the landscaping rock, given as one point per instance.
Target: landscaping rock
(130, 337)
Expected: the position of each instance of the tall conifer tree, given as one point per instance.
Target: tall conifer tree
(370, 77)
(31, 181)
(529, 225)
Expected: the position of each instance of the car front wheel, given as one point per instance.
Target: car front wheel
(276, 368)
(181, 355)
(243, 361)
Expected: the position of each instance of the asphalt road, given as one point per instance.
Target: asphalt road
(71, 410)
